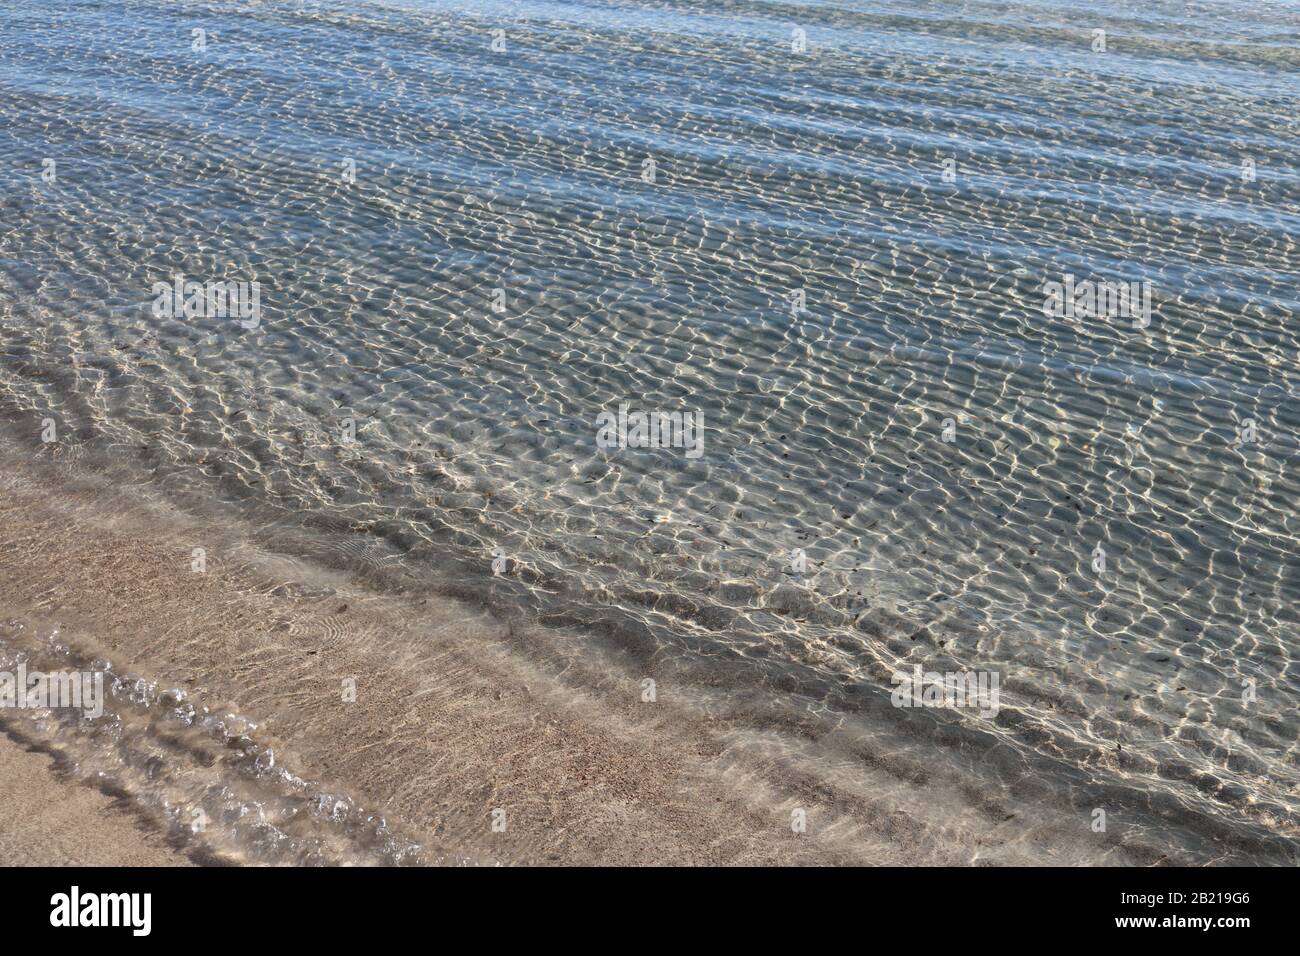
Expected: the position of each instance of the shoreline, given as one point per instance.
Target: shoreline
(50, 819)
(365, 557)
(448, 724)
(457, 714)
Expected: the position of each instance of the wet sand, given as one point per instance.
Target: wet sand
(48, 819)
(457, 713)
(448, 725)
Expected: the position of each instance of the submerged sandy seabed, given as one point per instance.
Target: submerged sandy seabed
(229, 699)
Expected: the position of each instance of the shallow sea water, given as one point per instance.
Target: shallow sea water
(667, 204)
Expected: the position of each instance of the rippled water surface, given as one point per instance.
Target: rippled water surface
(825, 228)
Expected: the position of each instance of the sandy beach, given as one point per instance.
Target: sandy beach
(457, 714)
(47, 819)
(450, 720)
